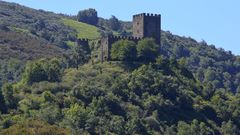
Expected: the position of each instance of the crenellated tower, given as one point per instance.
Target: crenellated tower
(147, 25)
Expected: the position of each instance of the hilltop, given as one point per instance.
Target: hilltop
(52, 85)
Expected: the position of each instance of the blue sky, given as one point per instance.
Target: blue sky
(215, 21)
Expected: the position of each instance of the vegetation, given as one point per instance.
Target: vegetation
(83, 30)
(124, 50)
(42, 25)
(33, 127)
(214, 67)
(42, 70)
(114, 23)
(79, 56)
(162, 97)
(147, 49)
(187, 88)
(88, 16)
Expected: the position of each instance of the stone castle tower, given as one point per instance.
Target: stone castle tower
(144, 26)
(147, 25)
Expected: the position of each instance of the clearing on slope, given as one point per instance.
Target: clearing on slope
(83, 30)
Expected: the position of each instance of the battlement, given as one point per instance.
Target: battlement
(146, 15)
(83, 39)
(113, 37)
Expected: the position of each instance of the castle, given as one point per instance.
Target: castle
(144, 26)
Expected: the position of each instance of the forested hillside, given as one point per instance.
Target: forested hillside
(50, 85)
(215, 67)
(117, 98)
(36, 23)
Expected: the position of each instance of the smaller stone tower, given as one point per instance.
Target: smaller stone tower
(147, 25)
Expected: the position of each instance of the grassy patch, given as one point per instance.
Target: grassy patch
(83, 30)
(70, 44)
(16, 29)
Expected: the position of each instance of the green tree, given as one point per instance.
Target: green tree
(208, 91)
(29, 103)
(210, 75)
(3, 108)
(53, 70)
(228, 128)
(147, 49)
(77, 117)
(220, 102)
(42, 70)
(195, 128)
(123, 50)
(34, 72)
(114, 23)
(180, 51)
(50, 113)
(183, 128)
(78, 57)
(10, 100)
(88, 16)
(118, 125)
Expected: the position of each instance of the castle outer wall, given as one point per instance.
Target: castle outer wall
(106, 45)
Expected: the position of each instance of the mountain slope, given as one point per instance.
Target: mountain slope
(130, 98)
(215, 67)
(212, 66)
(29, 34)
(39, 23)
(192, 88)
(24, 47)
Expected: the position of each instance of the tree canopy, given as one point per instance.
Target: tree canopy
(114, 23)
(147, 49)
(124, 50)
(42, 70)
(88, 16)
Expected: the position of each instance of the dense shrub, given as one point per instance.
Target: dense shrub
(42, 70)
(147, 50)
(124, 50)
(33, 127)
